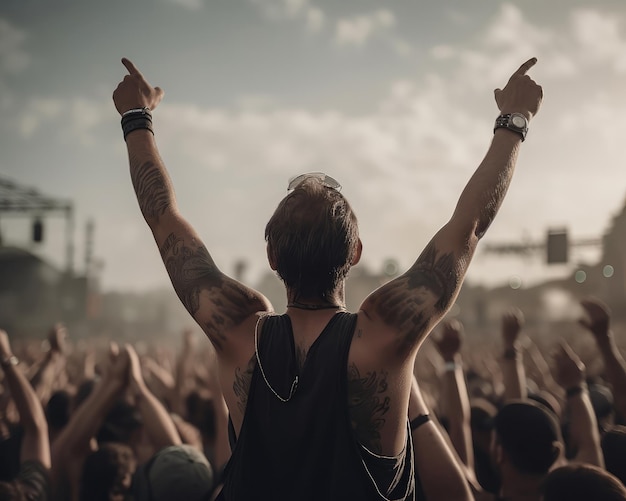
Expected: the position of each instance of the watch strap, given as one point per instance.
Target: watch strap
(504, 121)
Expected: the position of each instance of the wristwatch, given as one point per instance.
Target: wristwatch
(9, 360)
(512, 121)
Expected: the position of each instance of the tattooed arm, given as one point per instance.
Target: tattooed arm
(218, 303)
(412, 304)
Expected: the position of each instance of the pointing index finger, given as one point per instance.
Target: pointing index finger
(523, 69)
(132, 69)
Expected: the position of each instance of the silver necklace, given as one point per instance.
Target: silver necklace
(294, 385)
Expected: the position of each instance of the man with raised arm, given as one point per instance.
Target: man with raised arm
(318, 397)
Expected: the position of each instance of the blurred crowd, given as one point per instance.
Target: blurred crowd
(522, 418)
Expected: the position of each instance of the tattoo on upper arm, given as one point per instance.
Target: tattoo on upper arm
(241, 384)
(368, 404)
(410, 302)
(151, 188)
(193, 272)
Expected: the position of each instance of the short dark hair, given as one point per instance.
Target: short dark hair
(107, 471)
(581, 482)
(530, 435)
(312, 237)
(58, 409)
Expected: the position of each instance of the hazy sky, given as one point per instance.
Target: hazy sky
(394, 98)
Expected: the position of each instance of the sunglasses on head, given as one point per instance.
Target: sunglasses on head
(327, 181)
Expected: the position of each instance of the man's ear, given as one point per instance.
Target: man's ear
(271, 257)
(357, 253)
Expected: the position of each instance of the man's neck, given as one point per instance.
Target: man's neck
(521, 488)
(330, 301)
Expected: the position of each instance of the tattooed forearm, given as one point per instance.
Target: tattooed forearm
(152, 189)
(193, 273)
(241, 385)
(368, 404)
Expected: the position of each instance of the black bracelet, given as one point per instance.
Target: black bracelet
(136, 124)
(419, 421)
(575, 390)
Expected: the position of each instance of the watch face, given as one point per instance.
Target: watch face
(518, 121)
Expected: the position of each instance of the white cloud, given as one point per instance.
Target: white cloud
(358, 30)
(301, 10)
(13, 57)
(315, 19)
(600, 38)
(72, 118)
(188, 4)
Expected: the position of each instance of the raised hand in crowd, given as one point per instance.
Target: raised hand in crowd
(77, 440)
(584, 437)
(597, 321)
(511, 363)
(46, 373)
(32, 479)
(455, 405)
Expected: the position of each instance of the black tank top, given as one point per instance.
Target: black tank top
(305, 449)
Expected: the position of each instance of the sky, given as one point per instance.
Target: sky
(393, 98)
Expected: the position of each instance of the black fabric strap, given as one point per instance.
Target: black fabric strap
(419, 421)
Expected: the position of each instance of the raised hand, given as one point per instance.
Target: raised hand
(569, 370)
(5, 345)
(119, 364)
(449, 342)
(56, 337)
(597, 318)
(512, 323)
(134, 372)
(134, 91)
(521, 93)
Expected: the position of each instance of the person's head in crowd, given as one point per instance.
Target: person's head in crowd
(548, 400)
(176, 472)
(313, 237)
(582, 482)
(479, 387)
(58, 410)
(120, 424)
(528, 440)
(614, 450)
(107, 473)
(82, 392)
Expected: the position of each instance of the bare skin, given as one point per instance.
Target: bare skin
(392, 322)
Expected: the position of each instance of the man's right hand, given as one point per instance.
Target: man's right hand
(521, 93)
(135, 91)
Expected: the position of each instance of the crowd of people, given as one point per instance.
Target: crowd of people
(91, 420)
(317, 403)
